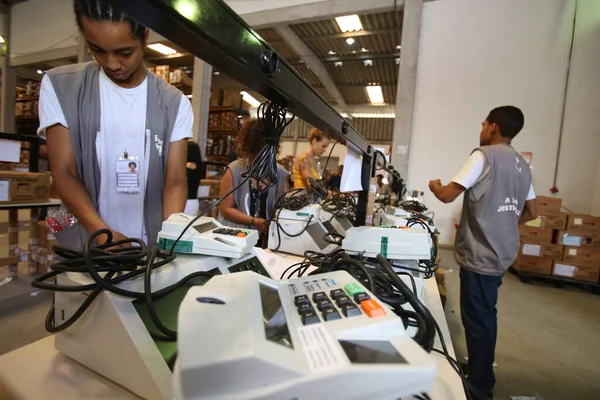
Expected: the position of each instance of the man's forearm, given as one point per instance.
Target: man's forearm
(76, 198)
(174, 198)
(234, 215)
(439, 193)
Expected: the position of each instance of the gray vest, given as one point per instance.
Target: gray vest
(487, 241)
(237, 168)
(78, 90)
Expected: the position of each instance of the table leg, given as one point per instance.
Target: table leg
(13, 239)
(33, 240)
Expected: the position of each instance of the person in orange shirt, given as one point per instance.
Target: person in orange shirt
(306, 164)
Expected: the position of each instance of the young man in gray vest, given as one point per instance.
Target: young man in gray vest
(499, 195)
(102, 116)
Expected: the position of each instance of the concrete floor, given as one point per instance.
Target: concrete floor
(548, 340)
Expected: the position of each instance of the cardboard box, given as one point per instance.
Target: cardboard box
(214, 187)
(551, 251)
(554, 220)
(575, 239)
(578, 272)
(536, 265)
(579, 223)
(533, 235)
(23, 187)
(583, 256)
(547, 205)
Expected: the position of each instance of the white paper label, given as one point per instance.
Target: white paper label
(578, 221)
(4, 191)
(532, 250)
(564, 270)
(572, 252)
(320, 349)
(569, 240)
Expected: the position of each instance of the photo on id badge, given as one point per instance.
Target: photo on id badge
(128, 176)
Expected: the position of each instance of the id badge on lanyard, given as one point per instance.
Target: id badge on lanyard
(128, 175)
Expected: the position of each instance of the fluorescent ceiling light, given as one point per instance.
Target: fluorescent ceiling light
(398, 47)
(249, 99)
(374, 115)
(39, 71)
(162, 49)
(397, 60)
(349, 23)
(189, 96)
(216, 72)
(338, 64)
(331, 52)
(350, 40)
(344, 115)
(375, 94)
(363, 50)
(368, 63)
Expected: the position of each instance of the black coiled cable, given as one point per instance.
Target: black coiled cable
(272, 118)
(114, 261)
(264, 166)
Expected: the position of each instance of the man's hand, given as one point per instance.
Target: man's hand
(261, 224)
(434, 183)
(445, 194)
(116, 236)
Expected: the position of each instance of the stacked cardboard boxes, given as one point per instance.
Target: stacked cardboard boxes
(560, 244)
(581, 258)
(537, 253)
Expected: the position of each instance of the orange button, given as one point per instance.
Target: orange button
(372, 308)
(241, 235)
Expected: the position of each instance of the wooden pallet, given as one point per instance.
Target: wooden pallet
(555, 281)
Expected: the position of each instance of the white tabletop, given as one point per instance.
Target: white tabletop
(49, 203)
(38, 371)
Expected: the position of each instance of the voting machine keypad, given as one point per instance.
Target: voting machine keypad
(333, 303)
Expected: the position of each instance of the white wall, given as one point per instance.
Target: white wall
(242, 7)
(476, 55)
(579, 153)
(596, 195)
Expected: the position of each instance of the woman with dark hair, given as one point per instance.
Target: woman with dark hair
(306, 165)
(252, 204)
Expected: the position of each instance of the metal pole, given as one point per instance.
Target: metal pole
(363, 196)
(7, 96)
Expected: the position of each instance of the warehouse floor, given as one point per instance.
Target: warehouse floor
(548, 338)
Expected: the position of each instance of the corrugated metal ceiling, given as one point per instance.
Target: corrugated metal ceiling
(381, 35)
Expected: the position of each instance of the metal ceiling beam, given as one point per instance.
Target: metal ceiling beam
(313, 62)
(318, 11)
(211, 31)
(44, 56)
(345, 35)
(361, 57)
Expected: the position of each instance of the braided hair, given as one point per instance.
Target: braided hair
(100, 10)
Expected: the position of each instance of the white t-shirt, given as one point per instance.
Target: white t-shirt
(122, 127)
(475, 170)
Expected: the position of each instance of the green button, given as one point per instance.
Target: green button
(352, 289)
